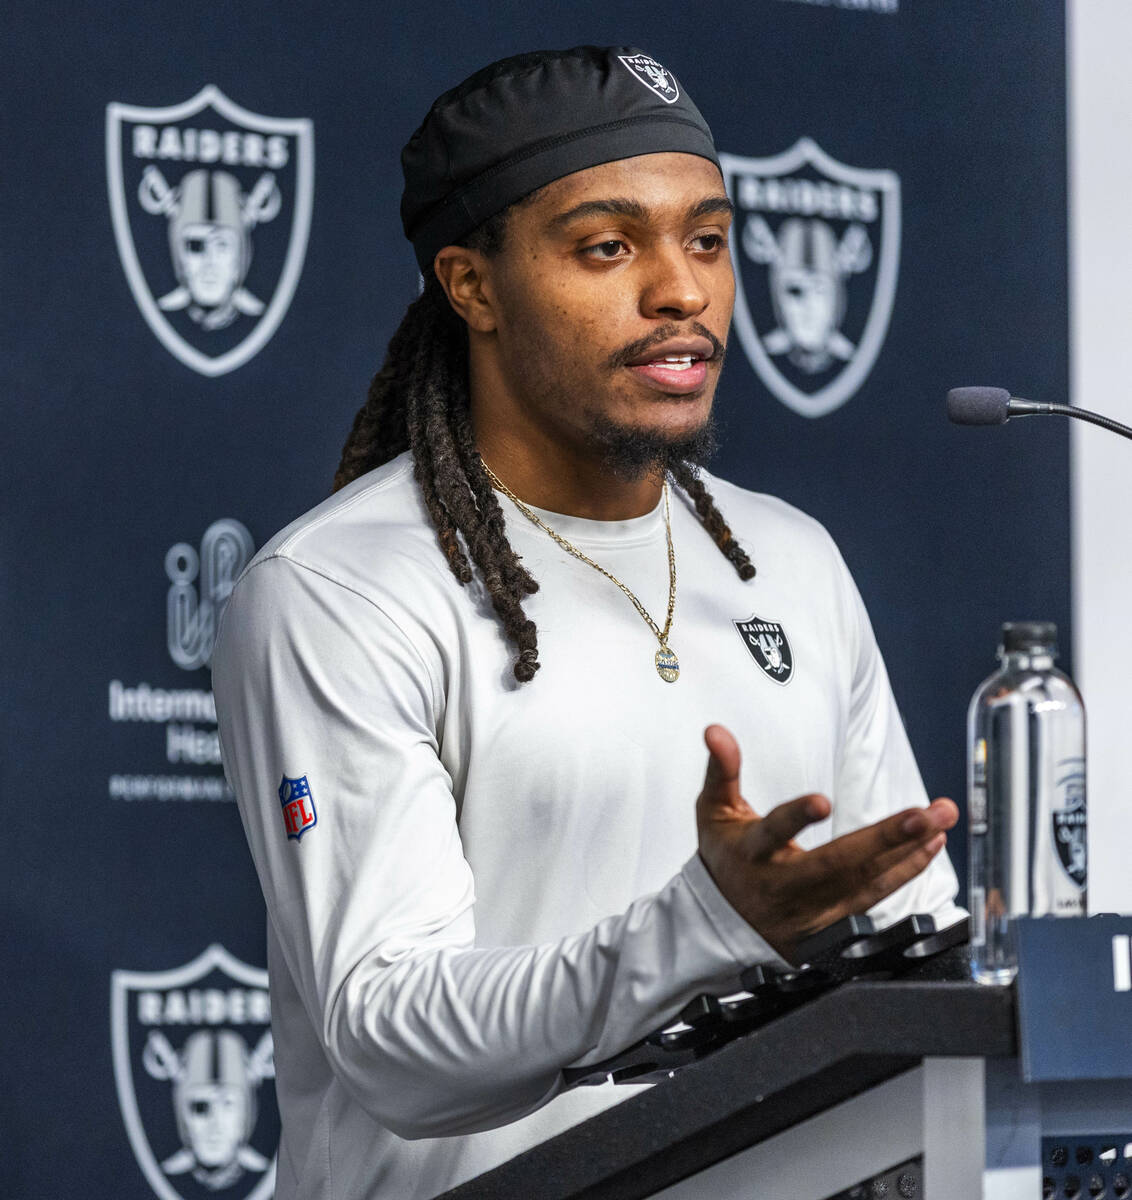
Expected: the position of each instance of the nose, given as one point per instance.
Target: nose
(675, 286)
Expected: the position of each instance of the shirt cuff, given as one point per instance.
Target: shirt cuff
(743, 943)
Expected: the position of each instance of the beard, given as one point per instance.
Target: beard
(542, 367)
(634, 454)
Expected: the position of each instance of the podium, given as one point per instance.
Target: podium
(894, 1090)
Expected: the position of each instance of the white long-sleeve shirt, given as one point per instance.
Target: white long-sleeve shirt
(493, 881)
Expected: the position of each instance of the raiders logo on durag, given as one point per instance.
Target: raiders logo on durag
(652, 75)
(768, 645)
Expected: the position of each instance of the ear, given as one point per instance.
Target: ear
(465, 276)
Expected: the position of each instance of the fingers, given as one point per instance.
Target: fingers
(721, 795)
(837, 899)
(786, 821)
(885, 855)
(888, 881)
(941, 815)
(723, 757)
(911, 825)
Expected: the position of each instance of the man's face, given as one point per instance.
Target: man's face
(807, 300)
(210, 260)
(613, 296)
(214, 1115)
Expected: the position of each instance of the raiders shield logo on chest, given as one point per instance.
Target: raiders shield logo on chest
(768, 645)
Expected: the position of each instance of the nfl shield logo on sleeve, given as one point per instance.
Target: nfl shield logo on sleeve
(299, 813)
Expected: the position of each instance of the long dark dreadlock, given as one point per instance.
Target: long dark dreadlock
(419, 401)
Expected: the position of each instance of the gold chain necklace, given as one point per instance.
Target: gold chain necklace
(667, 664)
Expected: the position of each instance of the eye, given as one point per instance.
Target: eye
(708, 243)
(606, 250)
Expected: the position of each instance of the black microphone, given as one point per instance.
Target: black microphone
(995, 406)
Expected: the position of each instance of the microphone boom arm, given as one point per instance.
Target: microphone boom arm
(1030, 408)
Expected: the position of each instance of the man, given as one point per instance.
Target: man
(476, 678)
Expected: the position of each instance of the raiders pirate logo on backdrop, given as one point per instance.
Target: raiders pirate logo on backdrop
(193, 608)
(192, 1050)
(652, 75)
(768, 645)
(211, 206)
(816, 249)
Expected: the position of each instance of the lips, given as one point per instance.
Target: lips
(676, 367)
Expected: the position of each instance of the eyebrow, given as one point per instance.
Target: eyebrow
(634, 210)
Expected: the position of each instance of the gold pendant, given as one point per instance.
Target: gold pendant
(667, 665)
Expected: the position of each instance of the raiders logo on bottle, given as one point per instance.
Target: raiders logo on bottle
(1070, 823)
(768, 645)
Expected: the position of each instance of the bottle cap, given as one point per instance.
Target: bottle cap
(1029, 635)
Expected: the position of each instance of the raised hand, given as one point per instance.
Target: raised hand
(784, 892)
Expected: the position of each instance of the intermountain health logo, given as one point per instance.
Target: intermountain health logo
(816, 249)
(162, 723)
(199, 587)
(192, 1059)
(211, 207)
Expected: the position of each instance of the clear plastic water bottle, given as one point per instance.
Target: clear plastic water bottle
(1026, 797)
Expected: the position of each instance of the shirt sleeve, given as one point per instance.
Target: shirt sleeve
(877, 774)
(372, 899)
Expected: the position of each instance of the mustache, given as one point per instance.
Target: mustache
(626, 354)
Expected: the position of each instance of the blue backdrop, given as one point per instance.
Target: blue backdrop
(200, 284)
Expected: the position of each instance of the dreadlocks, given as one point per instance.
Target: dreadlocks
(419, 401)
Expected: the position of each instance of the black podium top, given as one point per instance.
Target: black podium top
(756, 1086)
